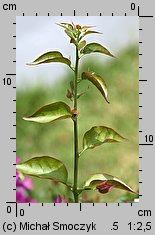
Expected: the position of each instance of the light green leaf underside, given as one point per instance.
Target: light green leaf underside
(81, 44)
(44, 167)
(96, 47)
(51, 112)
(49, 57)
(99, 135)
(98, 81)
(96, 179)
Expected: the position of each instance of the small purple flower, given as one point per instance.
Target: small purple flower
(17, 160)
(104, 187)
(60, 199)
(17, 172)
(20, 195)
(26, 183)
(17, 177)
(33, 200)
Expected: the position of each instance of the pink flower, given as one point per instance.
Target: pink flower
(27, 183)
(104, 187)
(60, 199)
(32, 200)
(20, 195)
(17, 177)
(17, 172)
(17, 160)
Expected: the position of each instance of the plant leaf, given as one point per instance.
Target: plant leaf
(51, 112)
(81, 44)
(70, 34)
(49, 57)
(91, 32)
(65, 25)
(69, 30)
(44, 167)
(84, 28)
(94, 181)
(95, 47)
(97, 81)
(99, 135)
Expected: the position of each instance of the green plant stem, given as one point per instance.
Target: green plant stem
(76, 153)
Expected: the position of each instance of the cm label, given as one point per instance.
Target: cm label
(9, 7)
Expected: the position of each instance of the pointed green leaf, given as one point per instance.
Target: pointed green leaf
(44, 167)
(97, 81)
(70, 31)
(49, 57)
(91, 32)
(95, 47)
(104, 182)
(87, 27)
(71, 35)
(65, 25)
(99, 135)
(81, 45)
(51, 112)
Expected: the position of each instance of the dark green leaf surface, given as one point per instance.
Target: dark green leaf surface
(95, 47)
(44, 167)
(97, 81)
(51, 112)
(49, 57)
(99, 135)
(97, 179)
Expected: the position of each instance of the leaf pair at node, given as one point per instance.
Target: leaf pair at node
(59, 110)
(46, 167)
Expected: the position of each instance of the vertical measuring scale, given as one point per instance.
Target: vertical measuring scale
(128, 218)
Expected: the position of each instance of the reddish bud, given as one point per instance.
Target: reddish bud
(104, 187)
(69, 94)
